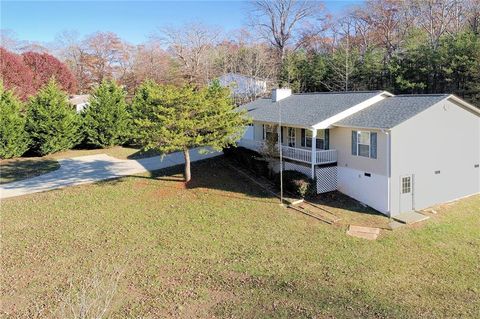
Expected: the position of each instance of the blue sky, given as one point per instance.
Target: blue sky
(133, 20)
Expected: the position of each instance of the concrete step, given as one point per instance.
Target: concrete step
(369, 233)
(410, 217)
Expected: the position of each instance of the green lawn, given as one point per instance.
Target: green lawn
(222, 247)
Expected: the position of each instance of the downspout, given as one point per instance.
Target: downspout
(389, 173)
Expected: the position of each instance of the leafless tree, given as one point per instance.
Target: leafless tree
(151, 61)
(190, 44)
(70, 49)
(279, 22)
(9, 40)
(106, 52)
(436, 17)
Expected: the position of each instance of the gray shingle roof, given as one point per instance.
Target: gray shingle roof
(306, 109)
(391, 111)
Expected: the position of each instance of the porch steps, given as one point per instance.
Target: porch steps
(369, 233)
(316, 211)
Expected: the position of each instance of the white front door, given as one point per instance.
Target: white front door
(406, 193)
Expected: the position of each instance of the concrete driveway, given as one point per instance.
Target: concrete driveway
(94, 168)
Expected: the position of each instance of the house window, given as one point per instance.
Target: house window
(320, 140)
(406, 185)
(270, 133)
(363, 145)
(291, 136)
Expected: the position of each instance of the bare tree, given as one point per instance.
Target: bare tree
(106, 52)
(340, 61)
(151, 61)
(70, 49)
(190, 45)
(279, 22)
(9, 40)
(435, 17)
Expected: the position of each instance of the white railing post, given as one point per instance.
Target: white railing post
(313, 155)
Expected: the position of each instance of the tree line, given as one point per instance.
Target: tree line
(404, 46)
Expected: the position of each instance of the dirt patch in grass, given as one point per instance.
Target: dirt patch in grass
(22, 168)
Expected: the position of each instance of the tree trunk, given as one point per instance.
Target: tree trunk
(187, 174)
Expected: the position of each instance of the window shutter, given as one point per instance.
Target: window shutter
(354, 142)
(327, 139)
(263, 132)
(281, 133)
(303, 137)
(373, 145)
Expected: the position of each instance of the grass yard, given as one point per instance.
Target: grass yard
(149, 247)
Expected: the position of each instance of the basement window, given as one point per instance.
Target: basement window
(476, 165)
(368, 174)
(437, 172)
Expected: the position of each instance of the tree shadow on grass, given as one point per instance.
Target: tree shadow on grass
(19, 169)
(336, 199)
(211, 175)
(143, 154)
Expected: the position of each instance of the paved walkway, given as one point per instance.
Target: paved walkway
(93, 168)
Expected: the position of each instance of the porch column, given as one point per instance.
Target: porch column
(314, 151)
(279, 143)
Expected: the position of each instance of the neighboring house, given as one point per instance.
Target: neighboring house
(79, 101)
(244, 88)
(393, 153)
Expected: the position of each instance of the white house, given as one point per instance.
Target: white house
(80, 102)
(393, 153)
(243, 87)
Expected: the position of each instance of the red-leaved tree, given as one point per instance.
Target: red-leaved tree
(45, 66)
(15, 74)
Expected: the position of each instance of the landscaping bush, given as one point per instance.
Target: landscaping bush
(14, 140)
(52, 122)
(296, 183)
(106, 119)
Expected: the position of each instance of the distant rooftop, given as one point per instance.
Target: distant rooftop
(79, 99)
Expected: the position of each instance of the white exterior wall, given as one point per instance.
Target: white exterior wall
(372, 191)
(351, 180)
(242, 85)
(445, 138)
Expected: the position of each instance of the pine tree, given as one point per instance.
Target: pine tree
(106, 119)
(172, 119)
(51, 121)
(14, 140)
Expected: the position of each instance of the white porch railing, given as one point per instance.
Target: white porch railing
(297, 154)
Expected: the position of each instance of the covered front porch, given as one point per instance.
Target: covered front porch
(305, 145)
(297, 154)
